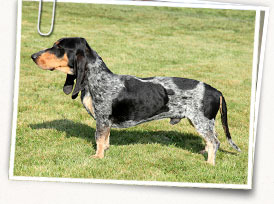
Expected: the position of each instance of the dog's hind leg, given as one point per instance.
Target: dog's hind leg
(206, 146)
(205, 128)
(212, 146)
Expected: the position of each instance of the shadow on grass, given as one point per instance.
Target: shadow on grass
(190, 142)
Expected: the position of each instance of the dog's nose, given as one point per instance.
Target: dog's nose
(34, 56)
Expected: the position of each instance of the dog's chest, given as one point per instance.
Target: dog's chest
(87, 102)
(102, 89)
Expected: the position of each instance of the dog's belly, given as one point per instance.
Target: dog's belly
(176, 112)
(143, 100)
(131, 123)
(184, 103)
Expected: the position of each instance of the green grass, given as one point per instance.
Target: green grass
(55, 135)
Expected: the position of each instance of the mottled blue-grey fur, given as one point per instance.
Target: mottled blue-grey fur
(104, 87)
(122, 101)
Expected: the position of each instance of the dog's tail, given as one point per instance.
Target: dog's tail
(223, 110)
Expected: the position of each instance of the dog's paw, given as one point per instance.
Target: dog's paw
(211, 163)
(96, 156)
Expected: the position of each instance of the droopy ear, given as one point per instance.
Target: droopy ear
(80, 72)
(68, 86)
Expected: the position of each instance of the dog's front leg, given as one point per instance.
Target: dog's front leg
(101, 137)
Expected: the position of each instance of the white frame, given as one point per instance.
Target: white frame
(255, 90)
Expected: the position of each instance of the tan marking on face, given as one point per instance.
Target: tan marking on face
(65, 69)
(57, 42)
(49, 61)
(87, 101)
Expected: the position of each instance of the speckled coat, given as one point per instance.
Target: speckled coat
(122, 101)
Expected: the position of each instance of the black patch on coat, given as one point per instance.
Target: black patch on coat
(185, 84)
(211, 101)
(138, 101)
(170, 92)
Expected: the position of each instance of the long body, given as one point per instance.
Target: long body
(110, 95)
(123, 101)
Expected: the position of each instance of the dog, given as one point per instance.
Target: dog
(122, 101)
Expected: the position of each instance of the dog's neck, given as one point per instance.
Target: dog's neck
(98, 73)
(97, 67)
(102, 85)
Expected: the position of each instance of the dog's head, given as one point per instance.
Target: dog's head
(69, 55)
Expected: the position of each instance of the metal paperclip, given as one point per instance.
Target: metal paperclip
(39, 19)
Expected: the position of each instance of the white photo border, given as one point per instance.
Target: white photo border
(257, 71)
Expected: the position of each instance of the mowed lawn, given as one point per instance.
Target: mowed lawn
(55, 135)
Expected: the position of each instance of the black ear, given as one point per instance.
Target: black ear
(80, 72)
(68, 86)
